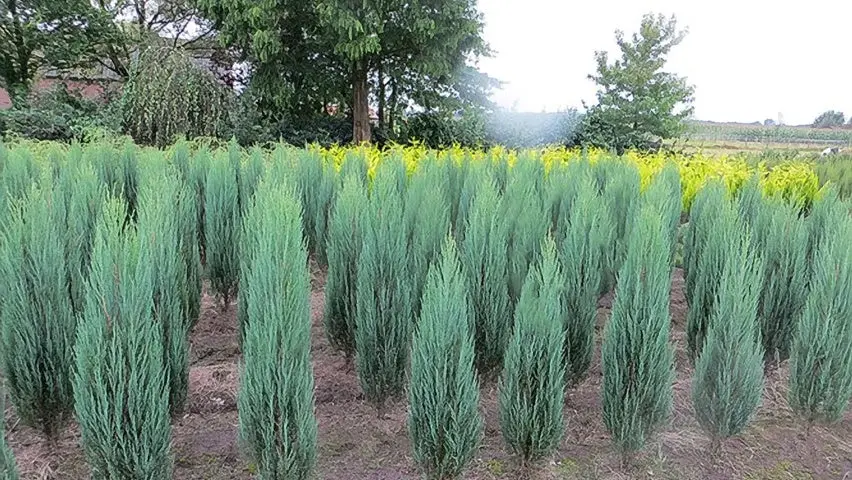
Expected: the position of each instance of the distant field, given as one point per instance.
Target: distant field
(740, 136)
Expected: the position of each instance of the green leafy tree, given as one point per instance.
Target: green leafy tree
(532, 387)
(829, 119)
(637, 359)
(638, 102)
(121, 390)
(728, 382)
(276, 400)
(444, 422)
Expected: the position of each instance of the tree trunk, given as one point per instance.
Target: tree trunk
(360, 104)
(381, 81)
(393, 100)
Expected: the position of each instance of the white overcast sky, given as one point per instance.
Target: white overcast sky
(748, 59)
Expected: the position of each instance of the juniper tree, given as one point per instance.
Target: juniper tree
(316, 180)
(276, 398)
(637, 359)
(563, 184)
(385, 318)
(486, 269)
(709, 200)
(38, 321)
(532, 387)
(620, 183)
(345, 238)
(586, 231)
(222, 228)
(444, 422)
(121, 389)
(8, 466)
(728, 382)
(664, 193)
(820, 384)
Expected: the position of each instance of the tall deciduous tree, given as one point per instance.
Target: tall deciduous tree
(638, 102)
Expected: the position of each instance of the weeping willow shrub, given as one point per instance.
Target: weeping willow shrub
(820, 383)
(532, 387)
(664, 192)
(783, 241)
(276, 399)
(486, 269)
(427, 223)
(444, 422)
(160, 228)
(38, 319)
(345, 240)
(121, 390)
(728, 382)
(621, 188)
(637, 359)
(587, 231)
(711, 215)
(8, 466)
(169, 95)
(525, 218)
(221, 230)
(385, 317)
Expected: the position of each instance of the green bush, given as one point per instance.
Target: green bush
(317, 181)
(664, 193)
(222, 228)
(486, 268)
(821, 355)
(587, 230)
(728, 382)
(276, 398)
(532, 388)
(345, 238)
(385, 318)
(621, 188)
(444, 422)
(561, 189)
(121, 390)
(637, 359)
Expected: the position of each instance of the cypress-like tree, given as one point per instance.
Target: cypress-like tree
(709, 200)
(821, 355)
(316, 179)
(345, 239)
(728, 381)
(562, 187)
(586, 231)
(160, 228)
(638, 361)
(444, 422)
(621, 188)
(222, 228)
(121, 389)
(8, 466)
(385, 317)
(664, 193)
(532, 388)
(38, 321)
(486, 269)
(276, 399)
(783, 241)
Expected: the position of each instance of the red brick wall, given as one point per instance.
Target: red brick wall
(86, 89)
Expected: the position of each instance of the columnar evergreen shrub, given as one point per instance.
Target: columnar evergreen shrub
(728, 382)
(8, 466)
(427, 223)
(637, 359)
(562, 187)
(276, 400)
(486, 269)
(622, 191)
(821, 354)
(385, 317)
(38, 320)
(783, 242)
(121, 389)
(475, 174)
(345, 238)
(444, 422)
(251, 171)
(222, 228)
(664, 193)
(711, 216)
(532, 387)
(821, 213)
(587, 231)
(160, 229)
(187, 214)
(316, 179)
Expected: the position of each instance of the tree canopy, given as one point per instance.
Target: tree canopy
(830, 119)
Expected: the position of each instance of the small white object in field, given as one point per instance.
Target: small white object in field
(830, 151)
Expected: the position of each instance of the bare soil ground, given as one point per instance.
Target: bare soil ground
(355, 444)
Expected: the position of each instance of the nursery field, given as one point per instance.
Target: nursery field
(217, 313)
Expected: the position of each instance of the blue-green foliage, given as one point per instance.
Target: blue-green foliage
(8, 466)
(276, 400)
(222, 227)
(664, 193)
(532, 387)
(620, 183)
(486, 269)
(317, 181)
(637, 358)
(820, 384)
(345, 240)
(444, 422)
(728, 381)
(385, 317)
(121, 389)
